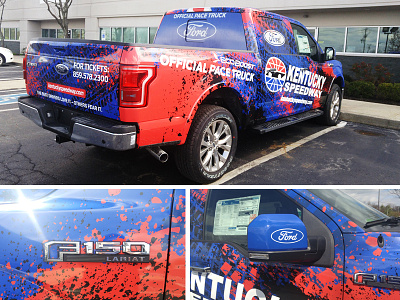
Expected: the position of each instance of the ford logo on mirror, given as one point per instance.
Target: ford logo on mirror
(62, 69)
(287, 236)
(196, 30)
(274, 38)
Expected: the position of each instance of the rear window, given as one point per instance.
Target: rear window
(222, 30)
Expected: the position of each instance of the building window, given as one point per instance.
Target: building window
(78, 33)
(361, 39)
(389, 40)
(129, 35)
(58, 33)
(116, 34)
(10, 34)
(376, 40)
(332, 37)
(142, 35)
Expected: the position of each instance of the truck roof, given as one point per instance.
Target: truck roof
(229, 9)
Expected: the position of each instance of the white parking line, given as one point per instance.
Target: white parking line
(248, 166)
(13, 78)
(9, 109)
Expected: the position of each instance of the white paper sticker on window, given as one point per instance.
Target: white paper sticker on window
(304, 45)
(232, 216)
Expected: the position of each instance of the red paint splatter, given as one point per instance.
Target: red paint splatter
(372, 241)
(115, 192)
(226, 268)
(156, 200)
(377, 252)
(352, 224)
(123, 217)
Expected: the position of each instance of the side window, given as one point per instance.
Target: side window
(229, 212)
(273, 35)
(304, 42)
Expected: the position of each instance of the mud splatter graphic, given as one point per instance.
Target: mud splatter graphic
(94, 215)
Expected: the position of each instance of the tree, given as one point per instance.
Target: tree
(2, 4)
(59, 10)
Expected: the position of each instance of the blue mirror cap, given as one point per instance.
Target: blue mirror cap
(278, 232)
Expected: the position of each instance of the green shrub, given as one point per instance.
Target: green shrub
(361, 89)
(389, 91)
(385, 91)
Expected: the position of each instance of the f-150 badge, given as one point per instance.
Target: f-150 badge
(122, 252)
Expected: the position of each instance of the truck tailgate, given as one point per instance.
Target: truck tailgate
(75, 74)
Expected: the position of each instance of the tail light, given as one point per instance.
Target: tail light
(24, 67)
(134, 82)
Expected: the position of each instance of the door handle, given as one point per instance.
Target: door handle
(201, 270)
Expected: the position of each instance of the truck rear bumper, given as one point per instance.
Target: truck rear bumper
(78, 126)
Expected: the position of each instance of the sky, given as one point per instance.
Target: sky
(371, 196)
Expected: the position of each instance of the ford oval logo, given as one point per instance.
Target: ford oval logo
(62, 69)
(196, 30)
(287, 236)
(274, 38)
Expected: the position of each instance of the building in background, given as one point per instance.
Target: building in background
(359, 30)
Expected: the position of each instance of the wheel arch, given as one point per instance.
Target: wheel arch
(221, 95)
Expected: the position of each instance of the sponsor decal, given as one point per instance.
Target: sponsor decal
(274, 38)
(196, 30)
(62, 69)
(198, 282)
(234, 62)
(293, 79)
(91, 67)
(203, 67)
(124, 252)
(203, 15)
(275, 74)
(287, 236)
(66, 90)
(69, 101)
(294, 100)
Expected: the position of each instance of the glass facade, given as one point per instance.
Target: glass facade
(11, 34)
(332, 37)
(361, 39)
(141, 35)
(58, 33)
(374, 40)
(389, 40)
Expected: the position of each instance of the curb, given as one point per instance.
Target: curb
(370, 120)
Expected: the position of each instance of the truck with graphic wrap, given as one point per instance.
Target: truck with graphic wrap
(209, 73)
(291, 244)
(92, 244)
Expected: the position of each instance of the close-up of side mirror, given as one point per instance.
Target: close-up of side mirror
(282, 238)
(330, 53)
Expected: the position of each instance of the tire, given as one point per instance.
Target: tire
(332, 106)
(210, 145)
(2, 60)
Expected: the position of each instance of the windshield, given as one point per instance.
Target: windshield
(355, 210)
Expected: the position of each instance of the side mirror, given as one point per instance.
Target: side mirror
(282, 238)
(330, 53)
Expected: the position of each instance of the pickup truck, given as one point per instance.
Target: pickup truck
(209, 73)
(291, 244)
(92, 244)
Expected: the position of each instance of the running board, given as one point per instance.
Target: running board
(286, 121)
